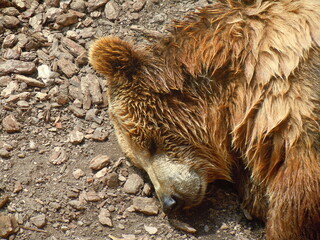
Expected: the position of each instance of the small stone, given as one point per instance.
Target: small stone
(11, 11)
(10, 89)
(23, 104)
(138, 5)
(12, 53)
(41, 96)
(53, 13)
(36, 21)
(10, 22)
(52, 3)
(29, 81)
(224, 226)
(133, 184)
(4, 81)
(78, 173)
(28, 56)
(58, 156)
(10, 124)
(104, 217)
(76, 137)
(16, 66)
(78, 112)
(112, 10)
(67, 19)
(39, 220)
(8, 225)
(101, 173)
(9, 41)
(151, 230)
(20, 3)
(147, 189)
(76, 204)
(44, 72)
(78, 5)
(17, 187)
(82, 59)
(74, 48)
(145, 205)
(112, 180)
(95, 4)
(87, 32)
(100, 135)
(4, 200)
(99, 162)
(92, 196)
(4, 153)
(67, 67)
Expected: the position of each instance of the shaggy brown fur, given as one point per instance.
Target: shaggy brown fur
(233, 93)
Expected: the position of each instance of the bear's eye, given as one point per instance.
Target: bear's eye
(152, 147)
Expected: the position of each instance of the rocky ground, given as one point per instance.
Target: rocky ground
(62, 174)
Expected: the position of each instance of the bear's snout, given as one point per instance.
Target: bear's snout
(171, 203)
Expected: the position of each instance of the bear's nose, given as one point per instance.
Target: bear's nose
(171, 204)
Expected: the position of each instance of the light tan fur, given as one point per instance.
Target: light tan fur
(232, 93)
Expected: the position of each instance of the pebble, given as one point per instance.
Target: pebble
(104, 217)
(138, 5)
(36, 21)
(39, 220)
(4, 81)
(147, 190)
(52, 3)
(112, 180)
(10, 89)
(29, 81)
(100, 135)
(12, 53)
(224, 226)
(10, 21)
(66, 19)
(95, 4)
(92, 196)
(76, 137)
(100, 174)
(58, 156)
(4, 200)
(78, 112)
(9, 41)
(4, 153)
(76, 204)
(53, 13)
(74, 48)
(10, 124)
(8, 225)
(78, 5)
(44, 72)
(17, 187)
(151, 230)
(16, 66)
(99, 162)
(133, 184)
(67, 67)
(78, 173)
(145, 205)
(112, 10)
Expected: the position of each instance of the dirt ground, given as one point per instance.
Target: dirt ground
(54, 122)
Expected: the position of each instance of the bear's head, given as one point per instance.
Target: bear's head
(160, 125)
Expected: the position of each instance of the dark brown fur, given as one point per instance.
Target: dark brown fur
(236, 81)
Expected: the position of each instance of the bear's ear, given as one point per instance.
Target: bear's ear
(112, 56)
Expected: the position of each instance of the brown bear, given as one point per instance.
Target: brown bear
(232, 93)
